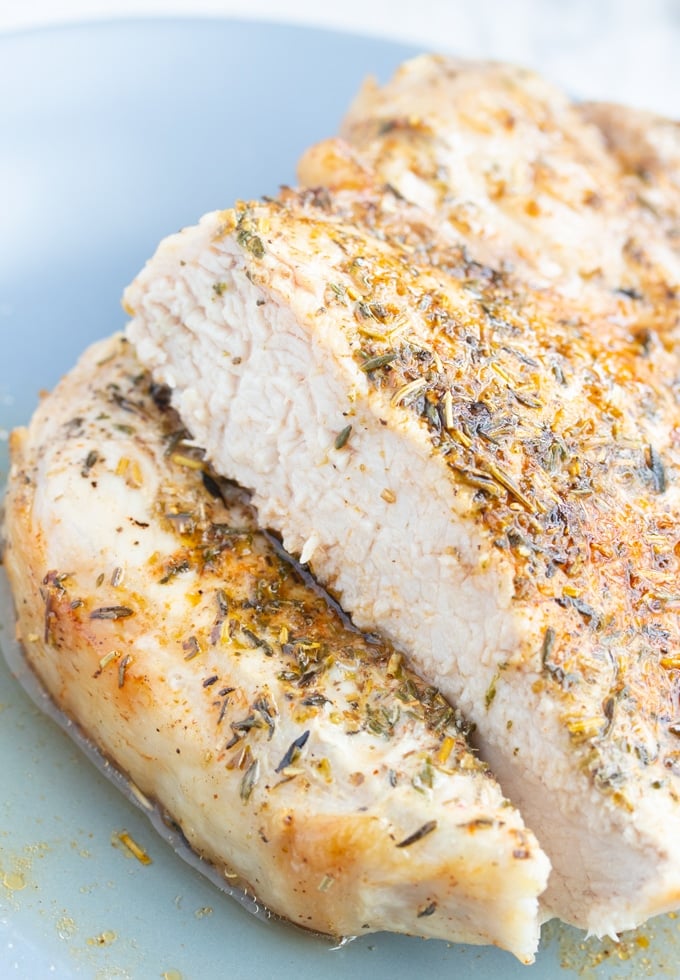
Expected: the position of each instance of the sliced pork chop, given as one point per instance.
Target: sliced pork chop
(292, 751)
(515, 167)
(483, 473)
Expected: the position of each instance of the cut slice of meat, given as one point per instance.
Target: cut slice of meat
(292, 751)
(509, 162)
(485, 472)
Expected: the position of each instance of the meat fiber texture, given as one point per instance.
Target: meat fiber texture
(298, 757)
(480, 462)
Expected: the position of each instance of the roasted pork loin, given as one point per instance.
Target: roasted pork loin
(295, 753)
(521, 174)
(483, 469)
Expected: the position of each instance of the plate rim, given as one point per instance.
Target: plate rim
(147, 20)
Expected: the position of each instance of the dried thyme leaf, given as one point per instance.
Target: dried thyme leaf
(655, 464)
(417, 835)
(546, 649)
(111, 612)
(342, 437)
(591, 615)
(491, 690)
(257, 641)
(293, 751)
(250, 778)
(267, 712)
(382, 360)
(174, 568)
(222, 611)
(122, 667)
(90, 460)
(314, 700)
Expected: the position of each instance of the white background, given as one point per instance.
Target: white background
(624, 50)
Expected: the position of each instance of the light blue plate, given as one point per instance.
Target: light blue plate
(112, 136)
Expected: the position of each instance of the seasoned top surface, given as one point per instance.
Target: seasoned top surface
(558, 423)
